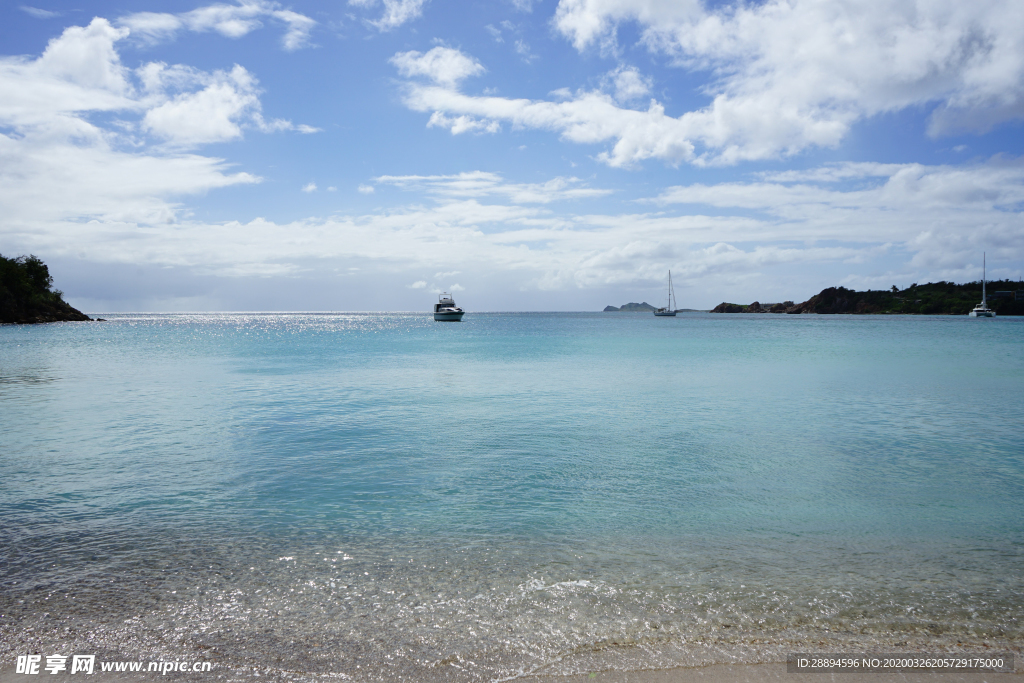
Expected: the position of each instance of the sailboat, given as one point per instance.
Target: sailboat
(670, 309)
(982, 310)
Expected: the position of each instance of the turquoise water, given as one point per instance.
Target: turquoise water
(390, 498)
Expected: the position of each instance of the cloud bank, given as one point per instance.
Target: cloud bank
(934, 220)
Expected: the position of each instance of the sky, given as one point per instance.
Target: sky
(526, 155)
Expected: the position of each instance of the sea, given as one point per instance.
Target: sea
(382, 497)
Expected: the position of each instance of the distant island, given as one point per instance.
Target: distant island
(635, 308)
(1005, 297)
(26, 294)
(630, 307)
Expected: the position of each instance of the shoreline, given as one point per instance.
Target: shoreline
(703, 661)
(774, 672)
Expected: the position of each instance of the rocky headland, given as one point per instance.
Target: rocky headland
(939, 298)
(27, 294)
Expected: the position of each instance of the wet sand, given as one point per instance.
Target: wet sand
(769, 673)
(752, 673)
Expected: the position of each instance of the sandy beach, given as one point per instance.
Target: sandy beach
(767, 673)
(754, 673)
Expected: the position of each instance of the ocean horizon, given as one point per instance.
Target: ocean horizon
(378, 496)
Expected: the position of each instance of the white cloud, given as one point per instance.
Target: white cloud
(85, 57)
(484, 184)
(799, 73)
(39, 13)
(443, 65)
(232, 21)
(419, 284)
(588, 21)
(81, 72)
(60, 162)
(589, 118)
(628, 84)
(941, 214)
(309, 187)
(996, 187)
(152, 27)
(832, 173)
(56, 180)
(299, 27)
(462, 124)
(396, 12)
(523, 50)
(365, 189)
(43, 99)
(209, 115)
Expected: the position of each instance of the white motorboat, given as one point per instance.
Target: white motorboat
(446, 310)
(982, 310)
(670, 309)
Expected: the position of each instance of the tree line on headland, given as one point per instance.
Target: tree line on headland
(27, 294)
(1005, 297)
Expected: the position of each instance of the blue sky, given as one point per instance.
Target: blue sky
(557, 155)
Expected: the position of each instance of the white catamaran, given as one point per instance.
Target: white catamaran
(982, 310)
(670, 309)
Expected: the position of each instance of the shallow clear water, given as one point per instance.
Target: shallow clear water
(392, 498)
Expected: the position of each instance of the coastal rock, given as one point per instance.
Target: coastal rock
(729, 308)
(610, 309)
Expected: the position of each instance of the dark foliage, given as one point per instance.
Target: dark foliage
(1005, 297)
(936, 298)
(26, 294)
(725, 307)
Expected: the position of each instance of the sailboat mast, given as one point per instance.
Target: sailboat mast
(669, 307)
(983, 277)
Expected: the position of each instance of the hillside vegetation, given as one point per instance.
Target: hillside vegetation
(935, 298)
(27, 296)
